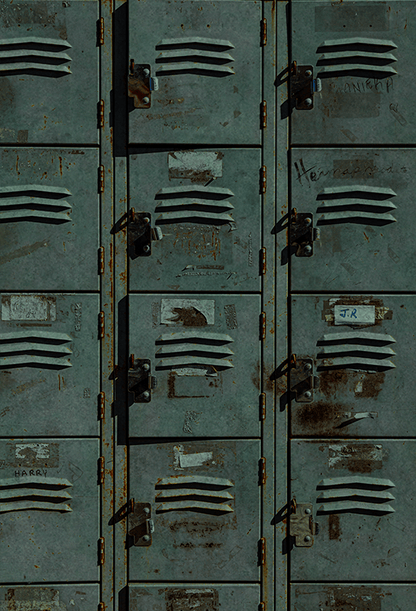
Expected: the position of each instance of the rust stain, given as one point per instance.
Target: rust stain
(332, 381)
(334, 528)
(171, 385)
(60, 165)
(189, 317)
(372, 384)
(366, 236)
(22, 252)
(24, 387)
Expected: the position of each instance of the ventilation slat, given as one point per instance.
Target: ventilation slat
(188, 505)
(373, 205)
(29, 53)
(17, 67)
(194, 55)
(383, 351)
(24, 505)
(357, 337)
(199, 349)
(181, 67)
(192, 361)
(356, 362)
(36, 335)
(194, 40)
(34, 40)
(165, 205)
(21, 493)
(339, 69)
(195, 191)
(363, 217)
(356, 191)
(359, 40)
(195, 336)
(196, 480)
(29, 202)
(327, 57)
(35, 480)
(33, 215)
(345, 493)
(187, 492)
(190, 215)
(345, 506)
(29, 347)
(356, 480)
(33, 360)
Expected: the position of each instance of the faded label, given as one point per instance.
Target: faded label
(231, 316)
(358, 314)
(354, 17)
(185, 461)
(359, 458)
(32, 599)
(355, 598)
(198, 166)
(77, 309)
(40, 450)
(191, 599)
(187, 312)
(31, 455)
(28, 307)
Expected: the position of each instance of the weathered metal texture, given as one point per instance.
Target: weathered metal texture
(355, 597)
(49, 358)
(192, 597)
(360, 368)
(362, 201)
(374, 528)
(360, 54)
(205, 506)
(49, 219)
(207, 206)
(205, 356)
(49, 72)
(50, 545)
(60, 597)
(208, 73)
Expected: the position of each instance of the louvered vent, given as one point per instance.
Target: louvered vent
(194, 55)
(194, 349)
(32, 492)
(358, 494)
(194, 493)
(34, 203)
(36, 54)
(200, 204)
(369, 56)
(356, 204)
(356, 350)
(34, 348)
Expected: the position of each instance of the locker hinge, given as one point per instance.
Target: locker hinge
(101, 321)
(263, 406)
(101, 607)
(101, 179)
(101, 472)
(262, 551)
(101, 31)
(101, 405)
(101, 550)
(262, 465)
(262, 606)
(263, 178)
(263, 325)
(101, 260)
(262, 261)
(101, 113)
(264, 32)
(264, 114)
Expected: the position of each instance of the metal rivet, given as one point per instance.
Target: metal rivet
(308, 220)
(146, 394)
(146, 248)
(146, 367)
(308, 102)
(146, 219)
(146, 510)
(307, 510)
(146, 100)
(308, 394)
(146, 538)
(146, 72)
(307, 539)
(308, 249)
(308, 73)
(308, 366)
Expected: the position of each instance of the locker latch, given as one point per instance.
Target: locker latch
(141, 526)
(141, 234)
(302, 233)
(141, 84)
(302, 380)
(303, 86)
(140, 379)
(302, 526)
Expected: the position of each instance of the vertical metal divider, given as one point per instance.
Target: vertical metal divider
(106, 300)
(281, 147)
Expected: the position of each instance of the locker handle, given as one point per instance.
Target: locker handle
(361, 481)
(199, 481)
(355, 507)
(194, 336)
(24, 505)
(205, 507)
(194, 42)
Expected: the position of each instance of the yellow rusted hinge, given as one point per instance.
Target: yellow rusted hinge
(263, 325)
(101, 606)
(101, 320)
(101, 550)
(262, 549)
(263, 261)
(101, 472)
(262, 470)
(263, 406)
(263, 179)
(101, 31)
(264, 113)
(264, 32)
(101, 179)
(102, 404)
(101, 259)
(101, 113)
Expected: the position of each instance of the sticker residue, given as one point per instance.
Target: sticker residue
(28, 307)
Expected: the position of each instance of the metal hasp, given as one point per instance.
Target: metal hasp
(303, 86)
(141, 234)
(302, 526)
(141, 382)
(302, 233)
(141, 84)
(302, 380)
(141, 525)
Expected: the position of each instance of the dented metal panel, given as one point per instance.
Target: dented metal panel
(62, 541)
(205, 361)
(205, 537)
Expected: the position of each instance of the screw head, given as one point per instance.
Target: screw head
(146, 366)
(146, 219)
(308, 510)
(146, 510)
(307, 220)
(308, 366)
(307, 394)
(308, 102)
(146, 72)
(308, 250)
(146, 248)
(146, 100)
(146, 394)
(146, 538)
(307, 539)
(308, 73)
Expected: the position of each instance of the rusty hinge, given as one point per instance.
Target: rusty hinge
(101, 606)
(263, 406)
(101, 550)
(264, 32)
(263, 261)
(263, 325)
(262, 470)
(101, 179)
(101, 31)
(101, 320)
(101, 472)
(101, 113)
(264, 113)
(262, 551)
(101, 260)
(101, 404)
(262, 606)
(263, 178)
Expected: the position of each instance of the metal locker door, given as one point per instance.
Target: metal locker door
(192, 598)
(44, 598)
(367, 597)
(195, 72)
(349, 85)
(49, 72)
